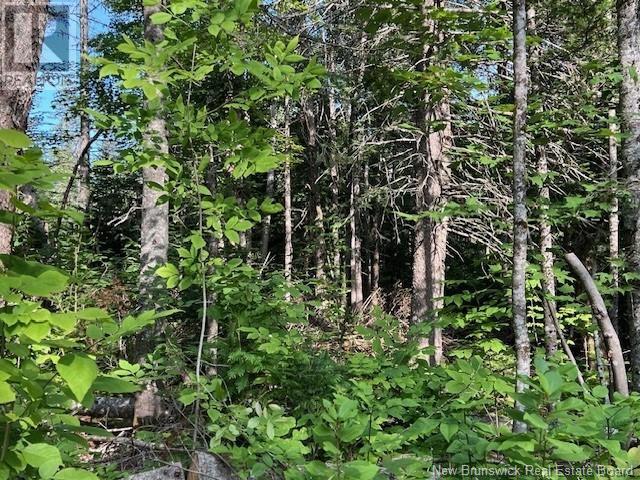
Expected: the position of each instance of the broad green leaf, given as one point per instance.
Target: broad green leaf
(448, 430)
(160, 18)
(46, 458)
(361, 470)
(105, 383)
(75, 474)
(14, 138)
(6, 393)
(79, 371)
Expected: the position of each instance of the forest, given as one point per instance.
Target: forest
(319, 239)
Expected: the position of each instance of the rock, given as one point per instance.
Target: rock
(171, 472)
(209, 467)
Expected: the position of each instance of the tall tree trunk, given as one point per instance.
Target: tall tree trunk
(375, 260)
(520, 227)
(82, 200)
(154, 229)
(338, 271)
(288, 225)
(271, 180)
(355, 261)
(316, 199)
(546, 245)
(629, 50)
(433, 177)
(614, 222)
(23, 40)
(213, 246)
(546, 237)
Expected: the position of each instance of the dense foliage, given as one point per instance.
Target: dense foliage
(297, 250)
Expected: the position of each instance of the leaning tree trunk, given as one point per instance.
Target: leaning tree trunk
(154, 229)
(23, 40)
(520, 227)
(629, 50)
(601, 315)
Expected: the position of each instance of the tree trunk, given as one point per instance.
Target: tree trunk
(355, 262)
(629, 49)
(213, 246)
(546, 237)
(271, 179)
(600, 313)
(23, 40)
(82, 200)
(520, 227)
(154, 229)
(433, 177)
(614, 222)
(546, 244)
(316, 198)
(288, 226)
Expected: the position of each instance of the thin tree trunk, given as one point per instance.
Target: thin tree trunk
(271, 179)
(606, 327)
(213, 328)
(546, 237)
(375, 261)
(24, 41)
(266, 221)
(154, 229)
(546, 245)
(520, 227)
(629, 49)
(355, 261)
(288, 226)
(316, 199)
(82, 200)
(614, 222)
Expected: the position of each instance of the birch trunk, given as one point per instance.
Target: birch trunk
(82, 200)
(546, 236)
(629, 50)
(614, 222)
(288, 226)
(520, 227)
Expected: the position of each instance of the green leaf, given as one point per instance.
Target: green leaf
(197, 241)
(105, 383)
(361, 470)
(75, 474)
(7, 394)
(79, 371)
(569, 452)
(46, 458)
(233, 236)
(14, 138)
(166, 271)
(160, 18)
(600, 391)
(448, 430)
